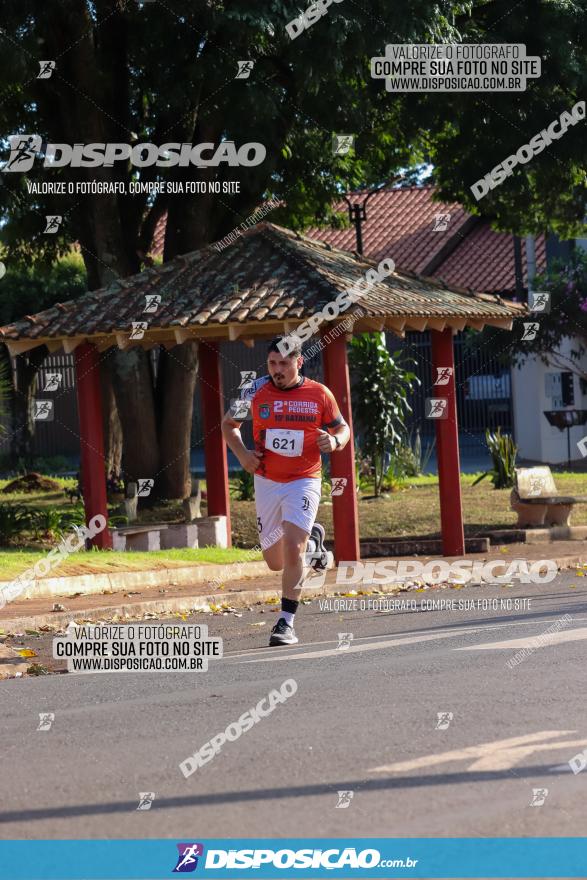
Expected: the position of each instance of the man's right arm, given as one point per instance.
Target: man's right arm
(231, 431)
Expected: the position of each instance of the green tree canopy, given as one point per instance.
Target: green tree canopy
(129, 72)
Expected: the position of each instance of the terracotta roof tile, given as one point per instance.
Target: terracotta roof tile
(400, 224)
(281, 275)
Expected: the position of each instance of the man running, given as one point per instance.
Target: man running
(292, 416)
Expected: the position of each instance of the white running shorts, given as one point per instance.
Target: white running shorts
(296, 502)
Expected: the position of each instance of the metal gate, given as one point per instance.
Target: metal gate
(483, 394)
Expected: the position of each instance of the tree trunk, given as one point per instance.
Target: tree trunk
(23, 425)
(133, 390)
(108, 229)
(111, 423)
(176, 384)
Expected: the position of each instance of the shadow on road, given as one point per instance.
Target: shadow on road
(284, 792)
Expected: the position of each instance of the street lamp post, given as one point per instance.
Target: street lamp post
(358, 211)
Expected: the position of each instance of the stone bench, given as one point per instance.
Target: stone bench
(135, 537)
(206, 531)
(536, 500)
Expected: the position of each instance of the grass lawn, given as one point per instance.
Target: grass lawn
(415, 509)
(14, 562)
(411, 510)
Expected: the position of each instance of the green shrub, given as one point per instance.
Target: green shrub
(52, 522)
(503, 452)
(14, 520)
(381, 387)
(245, 486)
(411, 458)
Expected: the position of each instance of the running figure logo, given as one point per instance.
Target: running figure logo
(443, 375)
(52, 381)
(43, 411)
(244, 69)
(240, 409)
(188, 857)
(46, 69)
(444, 719)
(536, 486)
(247, 376)
(338, 485)
(138, 329)
(144, 487)
(344, 799)
(539, 302)
(436, 408)
(152, 302)
(344, 641)
(539, 795)
(46, 719)
(342, 144)
(52, 222)
(146, 799)
(441, 222)
(530, 331)
(23, 149)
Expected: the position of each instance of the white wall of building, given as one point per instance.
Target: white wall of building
(534, 389)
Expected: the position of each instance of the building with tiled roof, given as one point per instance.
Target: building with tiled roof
(401, 224)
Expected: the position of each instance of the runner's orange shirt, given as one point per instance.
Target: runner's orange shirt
(285, 428)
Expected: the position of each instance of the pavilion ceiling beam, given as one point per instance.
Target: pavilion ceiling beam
(19, 346)
(415, 323)
(377, 324)
(183, 335)
(102, 343)
(437, 324)
(458, 323)
(70, 343)
(503, 323)
(124, 341)
(54, 345)
(397, 326)
(234, 331)
(249, 342)
(476, 323)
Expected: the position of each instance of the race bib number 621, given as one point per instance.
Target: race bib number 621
(284, 442)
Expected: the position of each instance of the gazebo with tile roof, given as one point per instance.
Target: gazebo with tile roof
(268, 282)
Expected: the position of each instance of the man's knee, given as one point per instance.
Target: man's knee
(274, 564)
(273, 556)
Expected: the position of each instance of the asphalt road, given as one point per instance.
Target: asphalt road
(363, 719)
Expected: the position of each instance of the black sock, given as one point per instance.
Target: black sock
(288, 610)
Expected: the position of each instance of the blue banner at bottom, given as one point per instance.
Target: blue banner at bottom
(294, 857)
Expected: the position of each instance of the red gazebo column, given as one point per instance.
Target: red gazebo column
(447, 447)
(345, 512)
(214, 446)
(89, 405)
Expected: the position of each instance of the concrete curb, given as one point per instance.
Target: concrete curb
(120, 581)
(187, 604)
(182, 604)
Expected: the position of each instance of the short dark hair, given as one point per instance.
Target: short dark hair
(294, 352)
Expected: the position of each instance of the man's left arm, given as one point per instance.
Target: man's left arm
(335, 427)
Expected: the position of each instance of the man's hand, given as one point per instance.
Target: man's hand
(251, 461)
(326, 442)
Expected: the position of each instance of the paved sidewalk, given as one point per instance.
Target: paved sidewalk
(240, 592)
